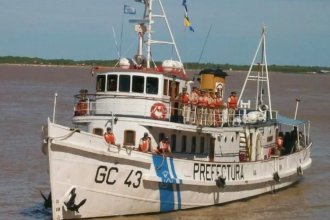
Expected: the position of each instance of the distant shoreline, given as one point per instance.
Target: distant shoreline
(28, 61)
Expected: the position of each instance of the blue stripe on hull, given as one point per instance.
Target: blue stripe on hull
(167, 187)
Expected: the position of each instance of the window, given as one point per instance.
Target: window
(98, 131)
(112, 82)
(184, 144)
(100, 83)
(124, 83)
(129, 137)
(152, 85)
(202, 144)
(138, 84)
(193, 144)
(173, 142)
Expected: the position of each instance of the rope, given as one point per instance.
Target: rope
(162, 163)
(65, 136)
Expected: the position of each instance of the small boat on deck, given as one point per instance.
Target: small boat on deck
(150, 140)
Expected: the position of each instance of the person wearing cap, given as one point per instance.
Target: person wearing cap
(232, 105)
(145, 143)
(109, 136)
(183, 99)
(164, 146)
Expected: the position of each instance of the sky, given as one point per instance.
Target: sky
(298, 31)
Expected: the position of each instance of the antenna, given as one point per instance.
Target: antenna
(148, 21)
(207, 37)
(114, 36)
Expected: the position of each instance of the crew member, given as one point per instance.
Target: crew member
(183, 99)
(279, 146)
(211, 109)
(145, 143)
(164, 146)
(194, 102)
(202, 109)
(218, 106)
(232, 105)
(109, 136)
(82, 106)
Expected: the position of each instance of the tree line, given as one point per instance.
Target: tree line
(189, 65)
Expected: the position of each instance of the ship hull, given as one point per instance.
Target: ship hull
(90, 178)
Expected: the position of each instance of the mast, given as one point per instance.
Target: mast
(261, 75)
(146, 27)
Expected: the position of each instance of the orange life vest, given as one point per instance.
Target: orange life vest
(218, 102)
(109, 138)
(144, 145)
(232, 102)
(164, 147)
(184, 98)
(81, 108)
(194, 98)
(203, 101)
(211, 103)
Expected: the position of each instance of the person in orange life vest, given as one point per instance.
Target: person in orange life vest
(109, 136)
(145, 143)
(202, 109)
(278, 146)
(211, 107)
(183, 99)
(164, 146)
(232, 105)
(194, 102)
(82, 106)
(218, 106)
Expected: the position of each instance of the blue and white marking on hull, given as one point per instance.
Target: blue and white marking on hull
(169, 187)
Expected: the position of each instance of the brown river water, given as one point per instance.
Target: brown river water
(26, 100)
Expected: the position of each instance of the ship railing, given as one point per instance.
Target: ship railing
(92, 104)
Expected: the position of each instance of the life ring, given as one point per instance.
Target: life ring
(81, 108)
(158, 111)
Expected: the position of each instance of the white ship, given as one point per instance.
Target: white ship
(216, 155)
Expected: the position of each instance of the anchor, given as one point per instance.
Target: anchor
(70, 203)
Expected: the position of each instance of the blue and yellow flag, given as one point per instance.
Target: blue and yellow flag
(186, 20)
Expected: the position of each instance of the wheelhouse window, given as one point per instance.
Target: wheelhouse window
(152, 85)
(124, 83)
(138, 84)
(129, 137)
(100, 83)
(112, 82)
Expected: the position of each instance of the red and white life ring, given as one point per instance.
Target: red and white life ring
(158, 111)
